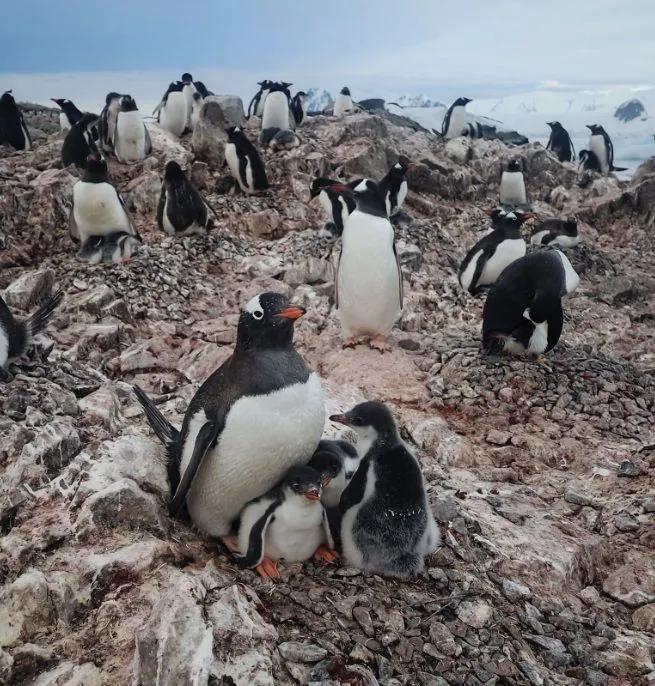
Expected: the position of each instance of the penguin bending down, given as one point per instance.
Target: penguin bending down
(17, 334)
(601, 145)
(386, 523)
(115, 247)
(299, 107)
(259, 414)
(589, 161)
(131, 139)
(107, 123)
(523, 311)
(554, 231)
(369, 281)
(69, 115)
(487, 259)
(181, 210)
(276, 112)
(13, 130)
(98, 209)
(337, 461)
(560, 142)
(343, 103)
(287, 523)
(337, 205)
(512, 185)
(79, 143)
(172, 112)
(456, 119)
(394, 187)
(244, 162)
(256, 106)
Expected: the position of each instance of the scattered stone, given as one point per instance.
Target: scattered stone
(475, 613)
(301, 652)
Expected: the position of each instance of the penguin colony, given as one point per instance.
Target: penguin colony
(283, 492)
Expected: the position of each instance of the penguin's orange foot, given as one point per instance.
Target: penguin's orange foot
(124, 260)
(230, 543)
(379, 343)
(267, 569)
(323, 554)
(350, 342)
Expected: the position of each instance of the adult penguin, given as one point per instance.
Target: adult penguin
(337, 205)
(107, 122)
(259, 414)
(277, 114)
(343, 103)
(79, 143)
(12, 125)
(601, 145)
(455, 121)
(244, 162)
(560, 142)
(172, 111)
(256, 106)
(131, 138)
(299, 107)
(69, 115)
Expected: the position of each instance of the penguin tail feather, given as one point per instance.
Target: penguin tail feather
(163, 429)
(38, 321)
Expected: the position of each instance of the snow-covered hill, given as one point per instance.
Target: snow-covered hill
(417, 101)
(318, 99)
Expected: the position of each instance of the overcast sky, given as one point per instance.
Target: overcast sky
(386, 46)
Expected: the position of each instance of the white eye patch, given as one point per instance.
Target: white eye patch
(254, 307)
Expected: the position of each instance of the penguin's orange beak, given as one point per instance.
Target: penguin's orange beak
(314, 494)
(293, 312)
(339, 188)
(529, 215)
(339, 418)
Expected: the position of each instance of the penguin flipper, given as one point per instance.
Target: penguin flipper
(160, 206)
(132, 227)
(205, 439)
(255, 553)
(73, 229)
(148, 141)
(327, 530)
(336, 281)
(401, 295)
(486, 253)
(354, 491)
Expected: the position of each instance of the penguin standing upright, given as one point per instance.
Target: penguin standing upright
(369, 281)
(131, 139)
(343, 103)
(259, 414)
(16, 334)
(487, 259)
(387, 526)
(12, 125)
(69, 115)
(98, 209)
(337, 205)
(287, 523)
(244, 162)
(560, 142)
(256, 106)
(553, 231)
(512, 185)
(394, 187)
(276, 114)
(523, 311)
(601, 145)
(107, 122)
(188, 90)
(181, 210)
(172, 110)
(456, 119)
(299, 107)
(79, 143)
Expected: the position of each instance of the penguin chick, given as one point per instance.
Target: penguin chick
(181, 211)
(284, 140)
(17, 334)
(244, 162)
(79, 143)
(337, 461)
(337, 205)
(386, 523)
(115, 247)
(512, 185)
(555, 231)
(287, 523)
(344, 103)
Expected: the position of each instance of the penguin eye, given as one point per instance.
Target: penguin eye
(258, 314)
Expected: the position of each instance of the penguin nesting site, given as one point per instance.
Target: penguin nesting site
(326, 399)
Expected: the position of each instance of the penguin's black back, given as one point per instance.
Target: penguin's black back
(184, 204)
(560, 143)
(245, 149)
(488, 244)
(77, 147)
(12, 125)
(15, 330)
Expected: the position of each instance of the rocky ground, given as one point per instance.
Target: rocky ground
(540, 473)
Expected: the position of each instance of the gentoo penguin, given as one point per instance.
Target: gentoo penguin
(198, 100)
(512, 185)
(455, 120)
(487, 259)
(181, 210)
(131, 139)
(553, 231)
(12, 125)
(343, 103)
(198, 86)
(601, 145)
(560, 142)
(188, 90)
(386, 523)
(98, 209)
(337, 205)
(394, 187)
(244, 162)
(172, 110)
(118, 246)
(369, 281)
(107, 123)
(276, 113)
(79, 143)
(589, 161)
(299, 107)
(287, 523)
(16, 334)
(256, 106)
(280, 140)
(523, 311)
(69, 115)
(259, 414)
(337, 461)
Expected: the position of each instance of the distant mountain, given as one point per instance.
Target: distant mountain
(629, 110)
(417, 101)
(318, 99)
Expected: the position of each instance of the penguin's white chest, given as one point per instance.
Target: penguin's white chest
(130, 137)
(63, 122)
(507, 252)
(368, 279)
(276, 111)
(598, 146)
(4, 346)
(259, 110)
(400, 197)
(263, 437)
(457, 123)
(512, 188)
(296, 531)
(342, 104)
(173, 115)
(97, 210)
(571, 278)
(232, 159)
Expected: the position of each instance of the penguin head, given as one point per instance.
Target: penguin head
(128, 104)
(371, 421)
(345, 90)
(594, 128)
(327, 464)
(186, 78)
(462, 102)
(112, 97)
(96, 168)
(554, 125)
(265, 84)
(173, 171)
(59, 102)
(303, 483)
(367, 195)
(267, 321)
(320, 183)
(514, 165)
(509, 222)
(234, 133)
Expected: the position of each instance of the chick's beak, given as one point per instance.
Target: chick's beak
(339, 418)
(314, 494)
(292, 312)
